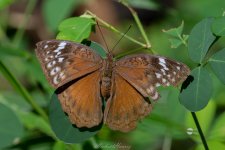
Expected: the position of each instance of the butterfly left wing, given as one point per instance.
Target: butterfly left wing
(146, 72)
(125, 106)
(82, 101)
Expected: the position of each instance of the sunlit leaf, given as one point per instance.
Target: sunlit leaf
(197, 94)
(217, 61)
(175, 32)
(200, 39)
(75, 29)
(218, 26)
(11, 128)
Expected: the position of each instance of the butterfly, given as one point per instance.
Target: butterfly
(124, 84)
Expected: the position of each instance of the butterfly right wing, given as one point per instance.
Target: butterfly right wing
(63, 61)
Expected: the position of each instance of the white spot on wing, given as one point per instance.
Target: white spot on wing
(158, 75)
(163, 80)
(164, 72)
(162, 60)
(60, 59)
(157, 84)
(178, 67)
(46, 46)
(155, 96)
(51, 64)
(55, 80)
(54, 71)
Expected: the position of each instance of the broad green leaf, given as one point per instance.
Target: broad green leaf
(217, 61)
(197, 94)
(5, 3)
(200, 39)
(218, 26)
(57, 10)
(75, 29)
(63, 128)
(11, 128)
(205, 121)
(218, 130)
(175, 32)
(213, 145)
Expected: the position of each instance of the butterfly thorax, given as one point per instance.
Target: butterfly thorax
(107, 75)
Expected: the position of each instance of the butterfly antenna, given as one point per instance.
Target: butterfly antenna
(121, 38)
(102, 36)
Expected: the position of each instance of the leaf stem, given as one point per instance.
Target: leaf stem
(20, 32)
(200, 130)
(138, 22)
(105, 24)
(19, 87)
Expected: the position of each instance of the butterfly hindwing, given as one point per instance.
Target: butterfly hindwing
(63, 61)
(82, 101)
(146, 72)
(125, 106)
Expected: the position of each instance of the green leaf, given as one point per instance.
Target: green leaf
(57, 10)
(5, 3)
(196, 96)
(218, 130)
(175, 32)
(218, 26)
(200, 39)
(214, 145)
(175, 43)
(11, 128)
(217, 61)
(63, 128)
(96, 47)
(75, 29)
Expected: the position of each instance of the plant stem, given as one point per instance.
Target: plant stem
(200, 130)
(105, 24)
(19, 87)
(20, 32)
(138, 22)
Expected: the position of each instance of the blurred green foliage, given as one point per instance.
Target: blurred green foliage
(25, 93)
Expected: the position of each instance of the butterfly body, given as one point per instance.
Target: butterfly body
(126, 83)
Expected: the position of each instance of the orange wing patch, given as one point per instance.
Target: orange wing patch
(82, 101)
(125, 106)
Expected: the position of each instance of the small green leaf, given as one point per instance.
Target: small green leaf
(218, 26)
(11, 128)
(63, 128)
(200, 39)
(75, 29)
(196, 96)
(175, 32)
(217, 61)
(218, 130)
(175, 43)
(57, 10)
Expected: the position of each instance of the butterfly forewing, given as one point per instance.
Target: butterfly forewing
(63, 61)
(146, 72)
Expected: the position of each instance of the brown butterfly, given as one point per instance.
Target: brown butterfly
(125, 84)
